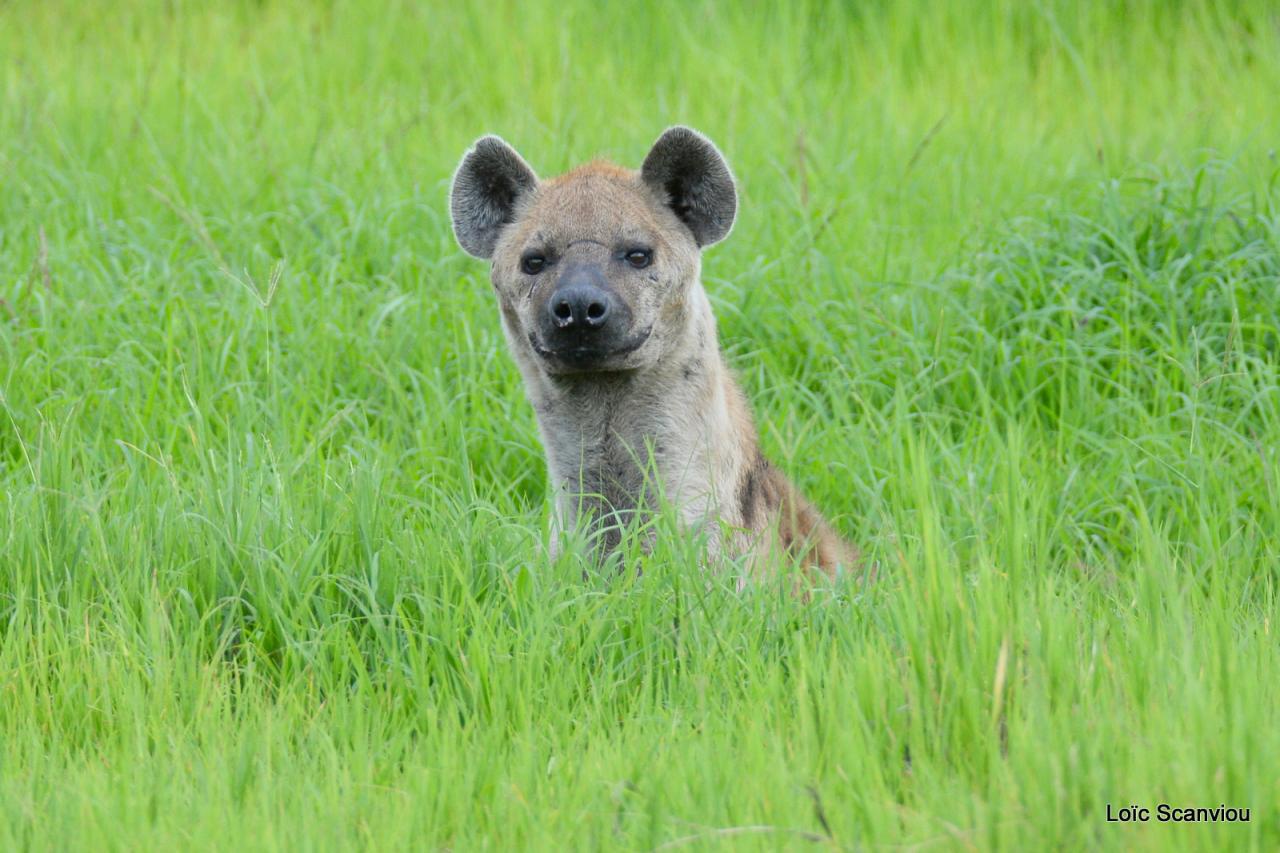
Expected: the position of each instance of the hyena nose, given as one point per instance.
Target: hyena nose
(579, 306)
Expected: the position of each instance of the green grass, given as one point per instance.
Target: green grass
(1005, 292)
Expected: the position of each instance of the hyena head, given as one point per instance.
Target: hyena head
(593, 270)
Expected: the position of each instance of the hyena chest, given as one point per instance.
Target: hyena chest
(616, 480)
(606, 474)
(609, 474)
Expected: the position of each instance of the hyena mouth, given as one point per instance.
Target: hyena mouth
(589, 357)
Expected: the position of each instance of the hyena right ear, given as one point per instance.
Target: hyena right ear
(690, 174)
(490, 180)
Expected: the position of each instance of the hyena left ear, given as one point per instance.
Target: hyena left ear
(687, 170)
(490, 180)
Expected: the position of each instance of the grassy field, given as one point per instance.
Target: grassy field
(1004, 290)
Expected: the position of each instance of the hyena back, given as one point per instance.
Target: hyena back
(597, 275)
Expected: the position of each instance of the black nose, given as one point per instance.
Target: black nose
(579, 306)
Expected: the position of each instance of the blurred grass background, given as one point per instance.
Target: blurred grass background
(1003, 290)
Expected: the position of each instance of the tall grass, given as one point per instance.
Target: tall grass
(1004, 291)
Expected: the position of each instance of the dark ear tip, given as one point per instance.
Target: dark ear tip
(683, 134)
(492, 151)
(682, 138)
(487, 143)
(487, 149)
(680, 130)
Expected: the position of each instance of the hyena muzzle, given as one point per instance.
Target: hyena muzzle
(597, 275)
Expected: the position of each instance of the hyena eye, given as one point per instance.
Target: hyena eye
(533, 263)
(640, 258)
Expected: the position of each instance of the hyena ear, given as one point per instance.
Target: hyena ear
(687, 170)
(490, 180)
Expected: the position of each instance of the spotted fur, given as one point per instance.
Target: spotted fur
(661, 416)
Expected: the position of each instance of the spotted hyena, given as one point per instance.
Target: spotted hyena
(597, 275)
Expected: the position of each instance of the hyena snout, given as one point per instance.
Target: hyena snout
(586, 324)
(581, 304)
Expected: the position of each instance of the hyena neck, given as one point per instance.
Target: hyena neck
(677, 431)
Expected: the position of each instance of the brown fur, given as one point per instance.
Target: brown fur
(766, 501)
(659, 401)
